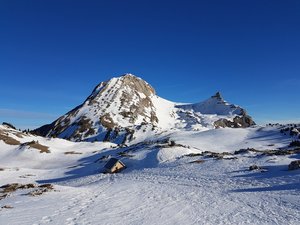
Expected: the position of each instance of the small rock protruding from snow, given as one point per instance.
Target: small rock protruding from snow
(294, 165)
(254, 167)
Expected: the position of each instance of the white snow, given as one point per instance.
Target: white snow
(160, 185)
(169, 179)
(165, 112)
(213, 105)
(232, 139)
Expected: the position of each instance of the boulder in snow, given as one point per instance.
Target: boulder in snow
(294, 165)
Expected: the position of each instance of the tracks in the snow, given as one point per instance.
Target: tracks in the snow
(77, 203)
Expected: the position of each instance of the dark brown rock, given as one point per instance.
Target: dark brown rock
(254, 167)
(294, 165)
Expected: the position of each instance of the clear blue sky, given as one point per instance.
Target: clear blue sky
(53, 53)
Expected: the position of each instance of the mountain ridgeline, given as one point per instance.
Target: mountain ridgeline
(118, 109)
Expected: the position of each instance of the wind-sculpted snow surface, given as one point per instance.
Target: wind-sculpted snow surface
(120, 108)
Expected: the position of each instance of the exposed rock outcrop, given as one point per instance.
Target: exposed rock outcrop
(294, 165)
(237, 122)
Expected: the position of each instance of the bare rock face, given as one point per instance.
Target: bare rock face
(242, 121)
(114, 105)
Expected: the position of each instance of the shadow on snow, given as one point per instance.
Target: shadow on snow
(270, 177)
(92, 165)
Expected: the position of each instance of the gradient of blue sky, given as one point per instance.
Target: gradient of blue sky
(53, 53)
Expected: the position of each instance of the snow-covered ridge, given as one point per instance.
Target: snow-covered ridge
(119, 109)
(214, 105)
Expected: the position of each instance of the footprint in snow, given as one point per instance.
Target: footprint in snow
(46, 219)
(70, 221)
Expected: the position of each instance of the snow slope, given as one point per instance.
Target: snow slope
(230, 140)
(163, 184)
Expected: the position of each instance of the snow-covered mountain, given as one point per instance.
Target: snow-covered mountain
(120, 108)
(180, 169)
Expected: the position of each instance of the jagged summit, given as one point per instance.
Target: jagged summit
(214, 105)
(118, 108)
(218, 96)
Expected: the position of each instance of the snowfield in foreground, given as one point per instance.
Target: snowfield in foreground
(163, 184)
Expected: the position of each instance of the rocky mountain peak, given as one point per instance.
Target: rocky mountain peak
(218, 96)
(137, 84)
(114, 105)
(127, 95)
(126, 84)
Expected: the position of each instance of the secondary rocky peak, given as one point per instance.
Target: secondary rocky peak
(218, 96)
